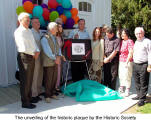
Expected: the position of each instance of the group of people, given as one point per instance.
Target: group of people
(40, 59)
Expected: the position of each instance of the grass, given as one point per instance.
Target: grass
(145, 109)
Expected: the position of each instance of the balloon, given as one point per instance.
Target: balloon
(67, 13)
(75, 18)
(35, 5)
(25, 1)
(53, 15)
(37, 11)
(52, 9)
(28, 6)
(74, 11)
(59, 10)
(59, 1)
(52, 3)
(19, 10)
(45, 14)
(66, 3)
(64, 18)
(69, 23)
(42, 21)
(68, 8)
(44, 6)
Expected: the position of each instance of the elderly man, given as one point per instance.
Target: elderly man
(38, 71)
(111, 58)
(27, 53)
(78, 69)
(51, 58)
(142, 65)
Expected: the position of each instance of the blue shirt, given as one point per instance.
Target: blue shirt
(46, 48)
(82, 34)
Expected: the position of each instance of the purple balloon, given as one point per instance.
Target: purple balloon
(25, 1)
(52, 9)
(69, 23)
(44, 6)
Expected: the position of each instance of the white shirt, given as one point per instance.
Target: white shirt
(25, 41)
(142, 51)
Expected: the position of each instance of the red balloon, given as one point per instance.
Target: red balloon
(45, 14)
(52, 4)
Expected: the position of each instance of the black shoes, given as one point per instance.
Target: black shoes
(34, 100)
(39, 98)
(141, 103)
(30, 106)
(135, 98)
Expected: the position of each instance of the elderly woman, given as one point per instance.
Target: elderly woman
(125, 63)
(97, 55)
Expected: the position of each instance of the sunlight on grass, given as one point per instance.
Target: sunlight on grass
(145, 109)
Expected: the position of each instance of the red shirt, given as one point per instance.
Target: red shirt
(125, 46)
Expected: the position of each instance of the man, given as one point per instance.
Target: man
(78, 69)
(38, 71)
(142, 65)
(27, 53)
(51, 58)
(111, 58)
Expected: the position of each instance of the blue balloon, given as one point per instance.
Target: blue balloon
(66, 4)
(59, 10)
(37, 11)
(67, 13)
(42, 21)
(59, 1)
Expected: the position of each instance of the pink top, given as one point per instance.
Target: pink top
(126, 45)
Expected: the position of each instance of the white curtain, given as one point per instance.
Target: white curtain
(8, 19)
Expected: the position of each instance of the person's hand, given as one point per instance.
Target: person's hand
(63, 58)
(101, 63)
(76, 36)
(36, 55)
(149, 69)
(106, 60)
(57, 61)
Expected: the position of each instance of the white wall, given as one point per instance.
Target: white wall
(101, 13)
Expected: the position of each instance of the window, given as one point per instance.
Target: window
(85, 6)
(39, 2)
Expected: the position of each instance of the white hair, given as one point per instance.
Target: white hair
(51, 25)
(141, 29)
(22, 15)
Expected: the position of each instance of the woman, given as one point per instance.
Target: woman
(97, 55)
(125, 63)
(60, 42)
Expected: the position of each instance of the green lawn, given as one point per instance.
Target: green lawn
(145, 109)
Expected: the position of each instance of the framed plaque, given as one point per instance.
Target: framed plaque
(77, 49)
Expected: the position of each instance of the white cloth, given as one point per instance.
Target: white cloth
(25, 41)
(142, 51)
(125, 74)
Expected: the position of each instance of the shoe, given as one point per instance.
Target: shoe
(121, 90)
(126, 94)
(135, 98)
(34, 100)
(39, 98)
(42, 94)
(48, 100)
(55, 97)
(30, 106)
(141, 103)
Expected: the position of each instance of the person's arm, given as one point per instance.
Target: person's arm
(130, 49)
(101, 51)
(46, 48)
(149, 56)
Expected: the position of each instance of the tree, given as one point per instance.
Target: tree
(132, 13)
